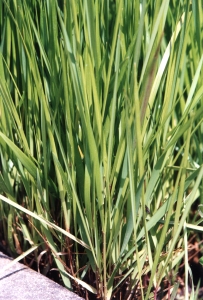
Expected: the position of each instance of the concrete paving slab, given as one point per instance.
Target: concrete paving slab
(19, 282)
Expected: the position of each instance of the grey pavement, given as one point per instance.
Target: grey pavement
(21, 283)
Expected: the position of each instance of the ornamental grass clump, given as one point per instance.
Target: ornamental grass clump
(101, 141)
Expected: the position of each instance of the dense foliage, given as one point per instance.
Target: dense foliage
(101, 141)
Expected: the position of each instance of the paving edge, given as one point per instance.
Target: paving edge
(19, 282)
